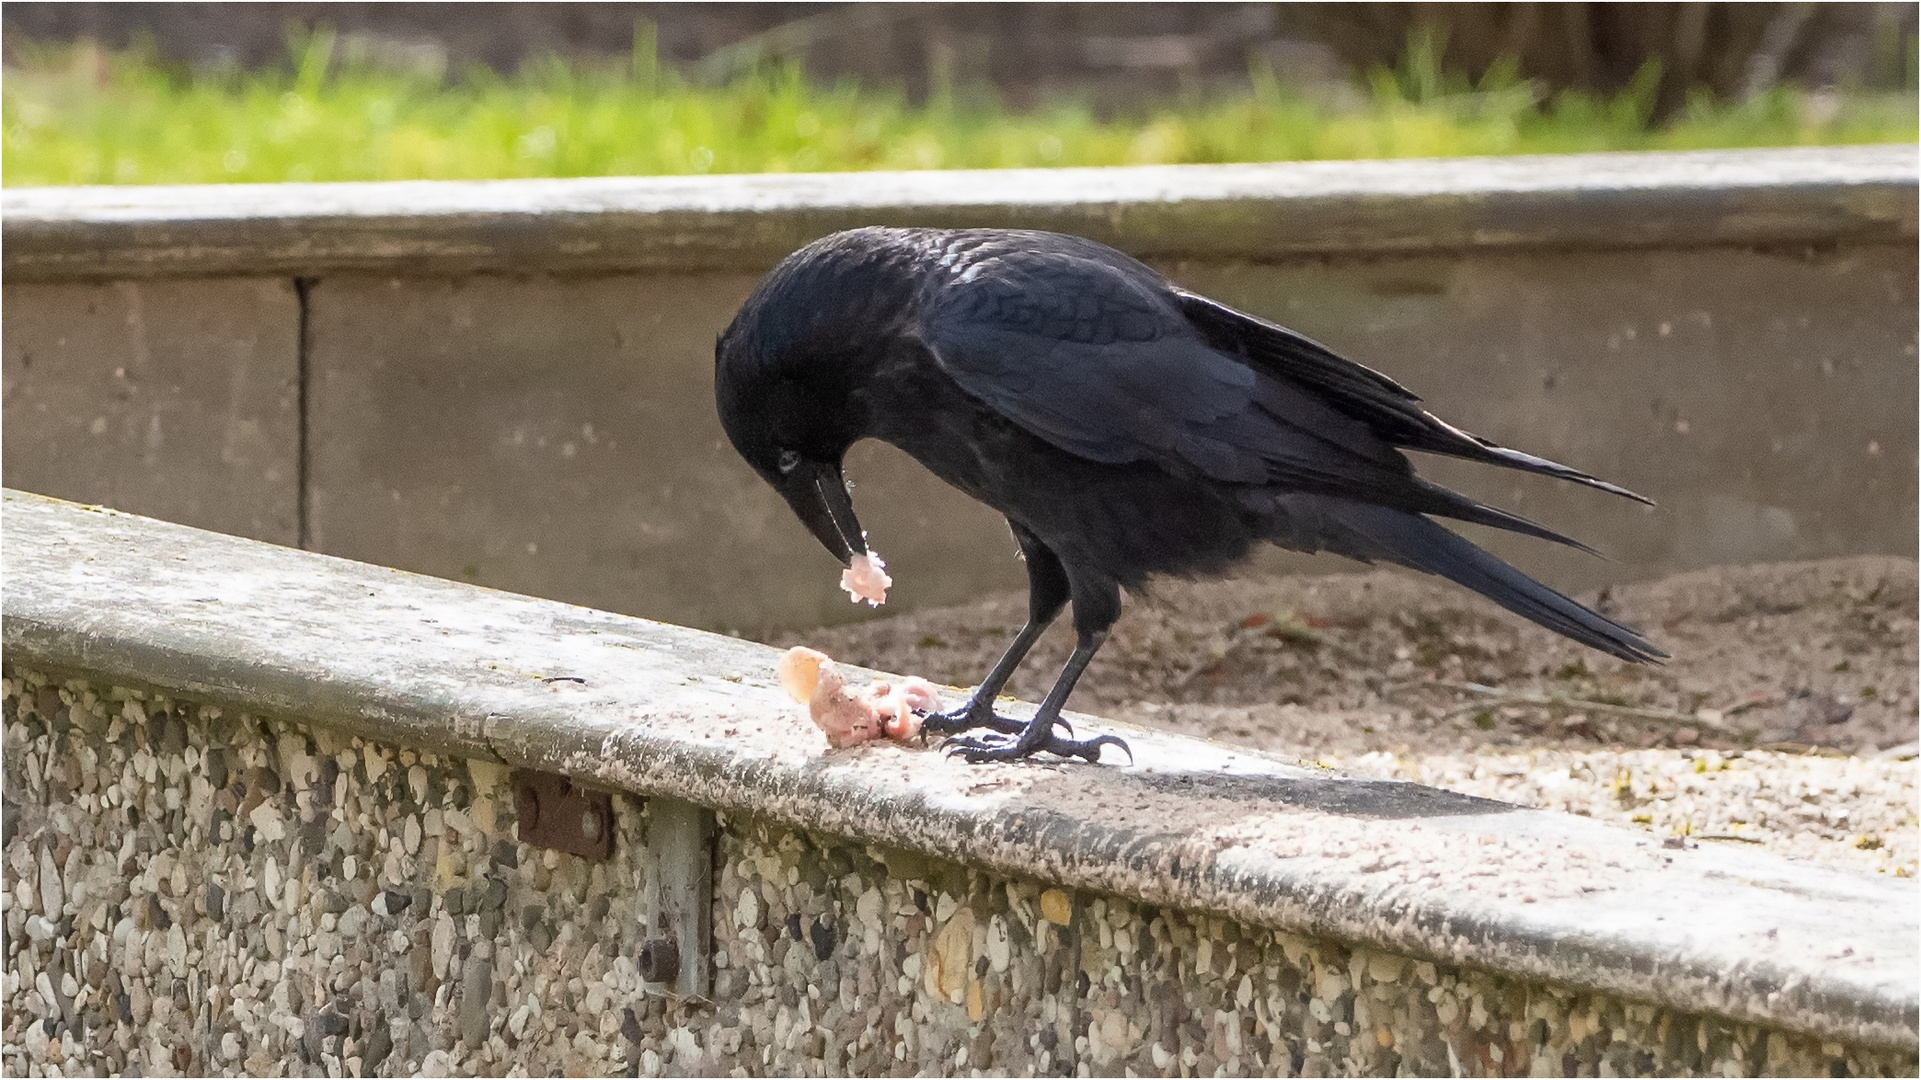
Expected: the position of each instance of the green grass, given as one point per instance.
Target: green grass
(83, 116)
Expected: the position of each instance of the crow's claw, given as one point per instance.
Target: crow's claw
(977, 749)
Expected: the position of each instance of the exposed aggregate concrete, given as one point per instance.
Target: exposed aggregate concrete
(193, 893)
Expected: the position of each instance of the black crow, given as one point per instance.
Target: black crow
(1125, 426)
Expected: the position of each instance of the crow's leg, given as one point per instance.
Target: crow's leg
(1047, 593)
(1096, 605)
(1039, 734)
(979, 710)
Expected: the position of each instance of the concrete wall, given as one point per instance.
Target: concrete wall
(525, 401)
(197, 892)
(180, 397)
(258, 812)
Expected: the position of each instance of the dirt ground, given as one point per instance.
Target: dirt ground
(1786, 718)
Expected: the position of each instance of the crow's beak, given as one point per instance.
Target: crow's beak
(818, 495)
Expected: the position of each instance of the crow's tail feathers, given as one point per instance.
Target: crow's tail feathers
(1441, 437)
(1434, 499)
(1376, 532)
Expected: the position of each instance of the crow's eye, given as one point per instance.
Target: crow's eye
(789, 461)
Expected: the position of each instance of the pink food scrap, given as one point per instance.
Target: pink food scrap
(851, 714)
(866, 579)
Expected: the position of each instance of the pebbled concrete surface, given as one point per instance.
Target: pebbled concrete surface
(650, 708)
(192, 891)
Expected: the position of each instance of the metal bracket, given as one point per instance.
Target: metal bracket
(553, 813)
(677, 897)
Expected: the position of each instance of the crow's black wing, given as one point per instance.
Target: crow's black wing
(1093, 354)
(1385, 406)
(1096, 359)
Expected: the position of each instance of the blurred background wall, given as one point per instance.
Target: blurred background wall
(551, 431)
(1111, 53)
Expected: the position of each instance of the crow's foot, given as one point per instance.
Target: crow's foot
(976, 749)
(970, 718)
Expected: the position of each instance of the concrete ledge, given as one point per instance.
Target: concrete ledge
(1257, 212)
(659, 710)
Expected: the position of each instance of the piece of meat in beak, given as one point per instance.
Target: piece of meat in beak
(866, 579)
(818, 494)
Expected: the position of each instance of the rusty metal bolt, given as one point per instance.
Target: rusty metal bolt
(659, 960)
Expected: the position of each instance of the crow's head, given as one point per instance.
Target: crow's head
(787, 376)
(811, 484)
